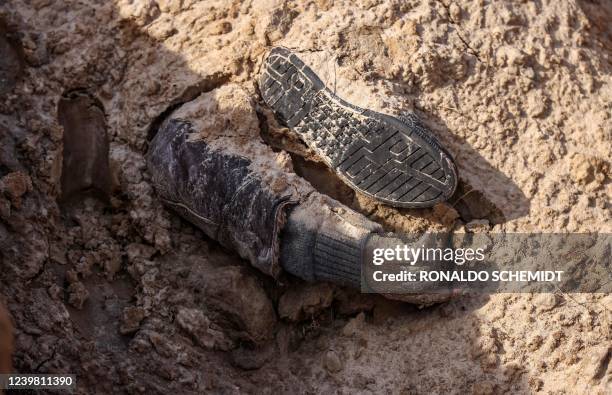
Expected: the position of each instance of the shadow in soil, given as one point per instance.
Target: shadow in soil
(503, 202)
(496, 198)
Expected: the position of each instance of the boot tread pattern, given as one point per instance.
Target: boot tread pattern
(394, 160)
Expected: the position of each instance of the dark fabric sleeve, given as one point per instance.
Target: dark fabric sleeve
(220, 193)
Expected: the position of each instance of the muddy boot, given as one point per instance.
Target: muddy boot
(209, 165)
(395, 160)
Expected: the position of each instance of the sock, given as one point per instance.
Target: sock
(324, 241)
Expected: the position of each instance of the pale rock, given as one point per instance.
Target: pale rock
(332, 362)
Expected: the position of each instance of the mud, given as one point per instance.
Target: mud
(131, 298)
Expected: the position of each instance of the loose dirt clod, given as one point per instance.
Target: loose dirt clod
(305, 301)
(332, 362)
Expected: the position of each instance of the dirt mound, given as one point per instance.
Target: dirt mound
(129, 297)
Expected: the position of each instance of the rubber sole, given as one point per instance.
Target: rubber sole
(394, 160)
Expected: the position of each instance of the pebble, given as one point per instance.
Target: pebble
(332, 362)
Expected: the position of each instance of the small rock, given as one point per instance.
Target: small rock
(536, 105)
(239, 299)
(140, 12)
(354, 326)
(112, 266)
(222, 27)
(15, 185)
(304, 301)
(545, 302)
(132, 317)
(585, 169)
(57, 253)
(332, 362)
(55, 292)
(535, 342)
(324, 5)
(162, 344)
(170, 6)
(582, 171)
(72, 276)
(445, 213)
(136, 251)
(455, 12)
(78, 294)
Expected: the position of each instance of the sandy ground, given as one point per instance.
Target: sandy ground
(131, 298)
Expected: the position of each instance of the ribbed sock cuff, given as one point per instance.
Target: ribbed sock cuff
(324, 241)
(296, 246)
(337, 258)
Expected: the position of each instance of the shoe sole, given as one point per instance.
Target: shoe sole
(394, 160)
